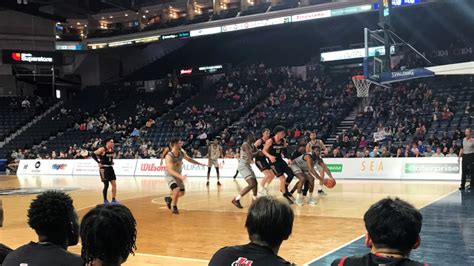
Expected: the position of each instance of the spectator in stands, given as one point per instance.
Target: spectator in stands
(375, 153)
(25, 103)
(54, 220)
(363, 143)
(269, 222)
(414, 149)
(393, 231)
(385, 153)
(149, 123)
(451, 153)
(438, 153)
(421, 147)
(108, 234)
(429, 152)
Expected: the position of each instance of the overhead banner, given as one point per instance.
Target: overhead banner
(311, 16)
(256, 24)
(208, 31)
(341, 168)
(403, 75)
(31, 57)
(354, 53)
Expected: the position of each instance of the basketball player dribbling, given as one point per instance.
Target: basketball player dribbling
(314, 142)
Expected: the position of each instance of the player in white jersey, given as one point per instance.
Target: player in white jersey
(173, 176)
(303, 168)
(247, 153)
(214, 152)
(312, 143)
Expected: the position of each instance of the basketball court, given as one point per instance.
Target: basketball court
(208, 221)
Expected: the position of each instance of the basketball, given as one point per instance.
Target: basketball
(329, 182)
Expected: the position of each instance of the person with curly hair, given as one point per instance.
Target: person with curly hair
(108, 234)
(55, 221)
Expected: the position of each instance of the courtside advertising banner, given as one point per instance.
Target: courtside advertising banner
(122, 167)
(341, 168)
(46, 167)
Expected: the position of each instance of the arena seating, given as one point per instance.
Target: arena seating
(85, 102)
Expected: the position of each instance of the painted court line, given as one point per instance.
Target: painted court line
(356, 239)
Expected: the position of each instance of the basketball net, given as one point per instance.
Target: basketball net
(362, 85)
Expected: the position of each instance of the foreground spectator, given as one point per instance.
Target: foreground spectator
(108, 234)
(393, 230)
(269, 222)
(54, 219)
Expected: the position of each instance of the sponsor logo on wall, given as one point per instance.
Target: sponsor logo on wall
(151, 167)
(335, 168)
(371, 166)
(428, 168)
(59, 166)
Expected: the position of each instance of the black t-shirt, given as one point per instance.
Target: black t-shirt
(4, 251)
(373, 260)
(34, 254)
(250, 254)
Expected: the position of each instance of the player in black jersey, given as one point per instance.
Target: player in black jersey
(274, 149)
(262, 163)
(104, 156)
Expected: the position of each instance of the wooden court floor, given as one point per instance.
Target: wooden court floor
(208, 221)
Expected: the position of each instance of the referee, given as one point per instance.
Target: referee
(467, 154)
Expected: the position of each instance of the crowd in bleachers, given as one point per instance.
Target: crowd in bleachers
(413, 120)
(410, 120)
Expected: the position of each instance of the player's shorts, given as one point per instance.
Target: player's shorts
(262, 164)
(174, 182)
(214, 163)
(107, 174)
(246, 171)
(297, 170)
(280, 167)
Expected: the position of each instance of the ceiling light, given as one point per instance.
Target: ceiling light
(78, 23)
(126, 14)
(111, 17)
(146, 11)
(144, 16)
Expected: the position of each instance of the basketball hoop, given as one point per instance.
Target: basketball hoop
(362, 85)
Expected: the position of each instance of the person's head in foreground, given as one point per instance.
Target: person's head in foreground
(55, 221)
(108, 234)
(393, 231)
(269, 222)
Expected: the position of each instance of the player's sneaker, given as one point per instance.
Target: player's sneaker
(175, 210)
(312, 201)
(299, 202)
(168, 202)
(218, 183)
(321, 192)
(207, 183)
(262, 192)
(114, 201)
(237, 204)
(290, 200)
(106, 202)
